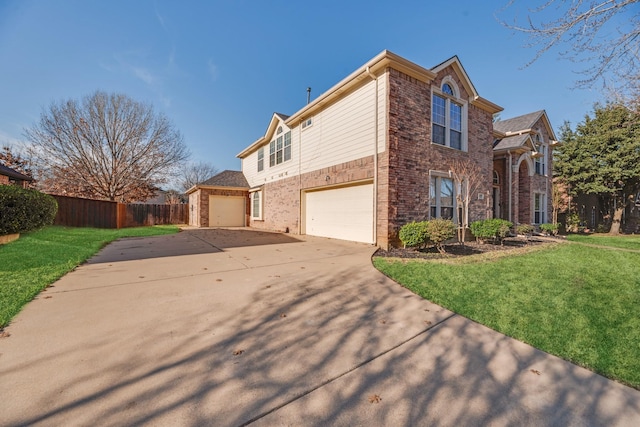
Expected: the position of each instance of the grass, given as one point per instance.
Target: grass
(624, 242)
(574, 301)
(39, 258)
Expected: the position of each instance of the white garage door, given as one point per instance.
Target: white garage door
(226, 211)
(342, 213)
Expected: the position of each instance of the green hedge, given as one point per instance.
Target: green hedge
(414, 234)
(24, 210)
(494, 228)
(420, 234)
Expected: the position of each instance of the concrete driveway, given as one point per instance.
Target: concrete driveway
(240, 327)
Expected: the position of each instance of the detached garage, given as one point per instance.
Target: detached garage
(220, 201)
(341, 213)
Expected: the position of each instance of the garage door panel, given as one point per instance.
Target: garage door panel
(226, 211)
(341, 213)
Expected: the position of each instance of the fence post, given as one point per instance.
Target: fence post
(121, 216)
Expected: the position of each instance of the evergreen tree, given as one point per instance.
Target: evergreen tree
(602, 156)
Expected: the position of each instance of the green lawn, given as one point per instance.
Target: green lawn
(580, 303)
(624, 242)
(39, 258)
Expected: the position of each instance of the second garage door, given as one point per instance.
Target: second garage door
(342, 213)
(226, 211)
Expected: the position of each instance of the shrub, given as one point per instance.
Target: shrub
(25, 210)
(439, 231)
(573, 223)
(551, 229)
(525, 229)
(414, 234)
(494, 228)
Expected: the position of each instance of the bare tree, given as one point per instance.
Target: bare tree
(468, 179)
(107, 146)
(196, 173)
(14, 159)
(589, 33)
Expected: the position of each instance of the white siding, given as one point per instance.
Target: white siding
(342, 132)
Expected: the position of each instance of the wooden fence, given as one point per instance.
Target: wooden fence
(77, 212)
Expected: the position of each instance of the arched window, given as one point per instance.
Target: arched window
(279, 131)
(448, 117)
(496, 178)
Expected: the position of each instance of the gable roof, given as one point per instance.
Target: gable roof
(372, 69)
(227, 178)
(519, 123)
(515, 141)
(7, 171)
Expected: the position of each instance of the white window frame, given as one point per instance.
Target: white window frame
(280, 149)
(540, 163)
(261, 159)
(256, 195)
(541, 209)
(307, 123)
(435, 196)
(449, 100)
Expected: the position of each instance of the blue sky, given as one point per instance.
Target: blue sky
(219, 69)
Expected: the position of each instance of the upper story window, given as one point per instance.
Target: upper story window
(448, 117)
(307, 123)
(540, 162)
(496, 178)
(261, 159)
(280, 148)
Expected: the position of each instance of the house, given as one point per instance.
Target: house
(389, 144)
(522, 168)
(10, 176)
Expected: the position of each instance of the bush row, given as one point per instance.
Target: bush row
(24, 209)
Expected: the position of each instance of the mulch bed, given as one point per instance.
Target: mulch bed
(456, 250)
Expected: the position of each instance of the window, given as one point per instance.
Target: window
(256, 205)
(496, 178)
(280, 149)
(539, 208)
(261, 159)
(307, 123)
(441, 197)
(541, 162)
(448, 118)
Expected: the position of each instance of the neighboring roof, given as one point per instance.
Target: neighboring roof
(227, 178)
(372, 70)
(7, 171)
(283, 117)
(519, 123)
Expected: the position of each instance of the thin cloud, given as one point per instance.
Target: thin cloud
(144, 75)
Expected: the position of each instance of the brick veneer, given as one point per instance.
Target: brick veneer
(4, 180)
(281, 199)
(412, 155)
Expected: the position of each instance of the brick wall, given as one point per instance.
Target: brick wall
(412, 155)
(281, 199)
(4, 180)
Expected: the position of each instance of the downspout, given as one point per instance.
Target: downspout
(300, 198)
(375, 161)
(510, 185)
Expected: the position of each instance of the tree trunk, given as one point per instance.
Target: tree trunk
(617, 219)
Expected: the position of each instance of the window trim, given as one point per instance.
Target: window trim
(542, 208)
(256, 194)
(540, 163)
(448, 101)
(260, 159)
(436, 177)
(280, 149)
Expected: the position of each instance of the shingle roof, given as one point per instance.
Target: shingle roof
(228, 178)
(7, 171)
(518, 123)
(511, 142)
(283, 117)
